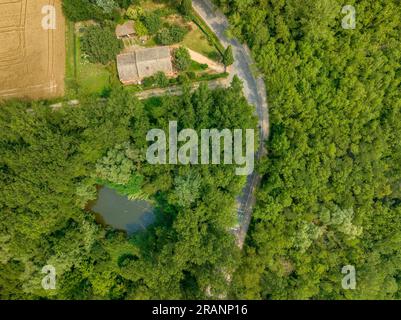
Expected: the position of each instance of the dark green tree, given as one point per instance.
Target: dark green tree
(228, 57)
(152, 22)
(182, 59)
(78, 10)
(100, 44)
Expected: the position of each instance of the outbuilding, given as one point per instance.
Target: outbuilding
(125, 30)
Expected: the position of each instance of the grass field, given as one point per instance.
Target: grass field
(70, 70)
(208, 32)
(197, 41)
(82, 76)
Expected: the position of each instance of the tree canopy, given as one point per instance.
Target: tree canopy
(330, 193)
(100, 44)
(52, 161)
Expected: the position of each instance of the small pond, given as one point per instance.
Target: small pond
(121, 213)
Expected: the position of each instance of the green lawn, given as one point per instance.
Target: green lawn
(196, 67)
(82, 76)
(70, 72)
(204, 28)
(91, 78)
(197, 41)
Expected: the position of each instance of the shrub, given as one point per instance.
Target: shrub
(107, 5)
(132, 187)
(134, 13)
(214, 76)
(78, 10)
(186, 7)
(214, 55)
(148, 82)
(100, 44)
(182, 59)
(177, 32)
(171, 34)
(164, 12)
(163, 37)
(140, 29)
(172, 81)
(161, 80)
(152, 22)
(126, 3)
(183, 78)
(191, 75)
(228, 58)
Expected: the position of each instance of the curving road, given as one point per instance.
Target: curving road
(254, 91)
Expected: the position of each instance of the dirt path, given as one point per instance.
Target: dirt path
(200, 58)
(177, 90)
(218, 67)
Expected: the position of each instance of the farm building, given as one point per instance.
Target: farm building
(125, 30)
(136, 65)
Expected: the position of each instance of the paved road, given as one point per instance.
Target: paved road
(254, 91)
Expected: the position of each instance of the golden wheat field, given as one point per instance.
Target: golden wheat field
(32, 57)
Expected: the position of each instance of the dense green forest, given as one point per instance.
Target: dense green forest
(330, 194)
(52, 161)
